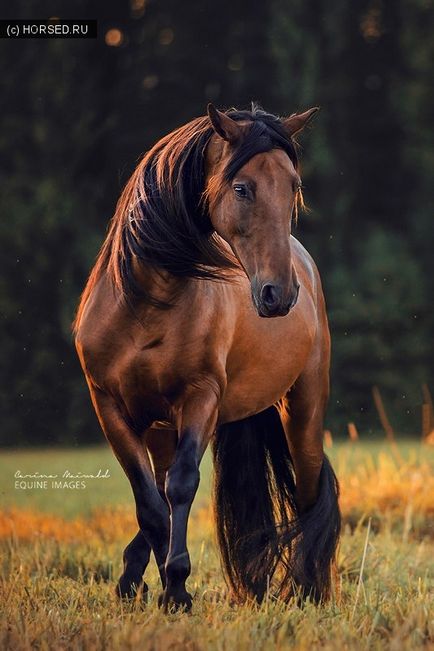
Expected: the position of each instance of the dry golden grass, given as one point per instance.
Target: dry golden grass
(58, 574)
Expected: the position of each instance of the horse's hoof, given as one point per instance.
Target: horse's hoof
(128, 591)
(176, 601)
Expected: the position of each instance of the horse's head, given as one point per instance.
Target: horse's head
(252, 189)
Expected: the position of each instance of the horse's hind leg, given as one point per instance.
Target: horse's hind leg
(316, 486)
(152, 511)
(161, 445)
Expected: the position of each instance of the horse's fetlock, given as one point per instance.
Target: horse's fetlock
(178, 568)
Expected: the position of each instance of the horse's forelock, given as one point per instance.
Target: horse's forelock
(266, 132)
(263, 132)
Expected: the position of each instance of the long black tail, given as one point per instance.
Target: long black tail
(264, 542)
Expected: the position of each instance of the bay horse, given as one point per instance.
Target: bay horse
(203, 321)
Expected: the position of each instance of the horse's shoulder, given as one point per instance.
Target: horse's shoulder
(97, 318)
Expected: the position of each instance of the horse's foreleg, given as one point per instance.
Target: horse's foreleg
(152, 511)
(197, 423)
(136, 558)
(316, 485)
(302, 419)
(161, 445)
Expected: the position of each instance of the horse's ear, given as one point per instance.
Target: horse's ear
(223, 125)
(298, 121)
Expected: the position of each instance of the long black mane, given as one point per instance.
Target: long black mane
(161, 216)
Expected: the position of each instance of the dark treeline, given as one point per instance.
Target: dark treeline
(76, 115)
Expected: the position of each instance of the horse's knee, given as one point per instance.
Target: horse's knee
(153, 518)
(182, 482)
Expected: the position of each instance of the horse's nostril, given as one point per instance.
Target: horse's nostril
(271, 295)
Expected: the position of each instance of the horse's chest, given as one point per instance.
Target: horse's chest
(259, 360)
(158, 376)
(263, 366)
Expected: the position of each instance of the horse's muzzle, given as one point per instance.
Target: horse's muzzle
(272, 303)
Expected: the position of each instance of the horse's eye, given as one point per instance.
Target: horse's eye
(240, 191)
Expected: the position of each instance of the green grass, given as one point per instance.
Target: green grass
(116, 490)
(66, 502)
(56, 591)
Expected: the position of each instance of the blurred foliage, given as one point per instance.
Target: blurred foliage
(76, 115)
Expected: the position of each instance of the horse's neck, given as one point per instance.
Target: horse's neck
(160, 284)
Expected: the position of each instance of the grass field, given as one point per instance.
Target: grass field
(61, 551)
